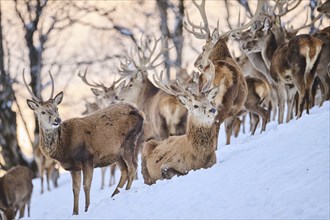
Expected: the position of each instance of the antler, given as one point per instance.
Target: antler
(28, 88)
(193, 88)
(204, 30)
(283, 7)
(307, 25)
(164, 84)
(96, 85)
(142, 57)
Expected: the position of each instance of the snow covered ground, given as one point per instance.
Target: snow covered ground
(282, 173)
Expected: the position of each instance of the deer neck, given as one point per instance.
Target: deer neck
(269, 50)
(259, 64)
(201, 136)
(49, 142)
(148, 91)
(220, 51)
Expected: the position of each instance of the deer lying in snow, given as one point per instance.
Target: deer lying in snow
(96, 140)
(15, 191)
(177, 155)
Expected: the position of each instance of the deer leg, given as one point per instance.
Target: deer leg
(131, 169)
(229, 128)
(47, 178)
(309, 84)
(112, 174)
(87, 182)
(103, 169)
(21, 211)
(41, 173)
(76, 181)
(291, 92)
(123, 175)
(255, 122)
(28, 207)
(281, 101)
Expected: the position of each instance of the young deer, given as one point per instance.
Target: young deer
(293, 64)
(177, 155)
(228, 75)
(15, 191)
(96, 140)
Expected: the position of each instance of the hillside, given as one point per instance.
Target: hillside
(282, 173)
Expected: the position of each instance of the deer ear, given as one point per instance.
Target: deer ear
(96, 92)
(58, 98)
(267, 24)
(32, 104)
(121, 85)
(215, 36)
(183, 100)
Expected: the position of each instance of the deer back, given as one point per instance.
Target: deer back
(97, 137)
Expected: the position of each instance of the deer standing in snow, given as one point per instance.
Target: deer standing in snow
(80, 144)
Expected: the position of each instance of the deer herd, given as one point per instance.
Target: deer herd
(174, 124)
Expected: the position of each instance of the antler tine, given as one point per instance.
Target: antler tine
(28, 88)
(151, 62)
(308, 25)
(204, 30)
(280, 6)
(84, 79)
(52, 79)
(252, 20)
(165, 85)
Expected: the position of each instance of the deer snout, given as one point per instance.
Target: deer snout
(57, 121)
(212, 110)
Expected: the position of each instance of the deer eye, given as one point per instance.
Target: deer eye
(43, 112)
(195, 106)
(130, 85)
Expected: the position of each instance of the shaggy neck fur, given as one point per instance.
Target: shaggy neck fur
(50, 143)
(269, 51)
(148, 91)
(201, 136)
(220, 50)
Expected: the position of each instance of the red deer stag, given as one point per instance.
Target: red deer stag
(80, 144)
(228, 75)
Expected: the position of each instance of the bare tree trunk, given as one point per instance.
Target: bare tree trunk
(177, 36)
(162, 7)
(11, 152)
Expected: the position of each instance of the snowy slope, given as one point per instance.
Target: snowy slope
(280, 174)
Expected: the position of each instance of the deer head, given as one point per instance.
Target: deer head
(105, 95)
(197, 99)
(46, 111)
(142, 58)
(203, 32)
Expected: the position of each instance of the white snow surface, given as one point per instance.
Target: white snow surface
(282, 173)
